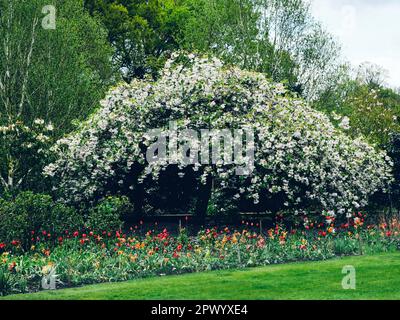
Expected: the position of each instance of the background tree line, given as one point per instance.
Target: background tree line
(278, 37)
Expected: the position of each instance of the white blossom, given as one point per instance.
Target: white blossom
(298, 152)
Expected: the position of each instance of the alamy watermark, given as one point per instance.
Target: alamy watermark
(50, 279)
(349, 280)
(49, 21)
(219, 147)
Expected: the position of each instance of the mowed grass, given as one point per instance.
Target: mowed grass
(377, 277)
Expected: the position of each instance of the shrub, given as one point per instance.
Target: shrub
(31, 215)
(107, 215)
(4, 281)
(23, 155)
(301, 160)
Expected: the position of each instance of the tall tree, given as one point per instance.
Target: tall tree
(277, 37)
(235, 31)
(372, 109)
(143, 32)
(54, 62)
(371, 74)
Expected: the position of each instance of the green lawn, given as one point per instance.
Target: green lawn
(378, 277)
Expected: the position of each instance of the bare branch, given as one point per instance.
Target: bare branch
(28, 63)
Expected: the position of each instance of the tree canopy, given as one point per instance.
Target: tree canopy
(56, 74)
(279, 38)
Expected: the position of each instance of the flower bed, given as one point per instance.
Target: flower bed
(86, 257)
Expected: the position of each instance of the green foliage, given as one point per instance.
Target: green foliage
(143, 32)
(223, 204)
(279, 38)
(5, 285)
(29, 214)
(394, 153)
(373, 112)
(23, 154)
(53, 74)
(371, 116)
(107, 215)
(231, 30)
(363, 106)
(372, 109)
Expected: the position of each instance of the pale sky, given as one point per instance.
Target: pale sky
(368, 30)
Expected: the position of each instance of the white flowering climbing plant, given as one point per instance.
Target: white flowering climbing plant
(299, 155)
